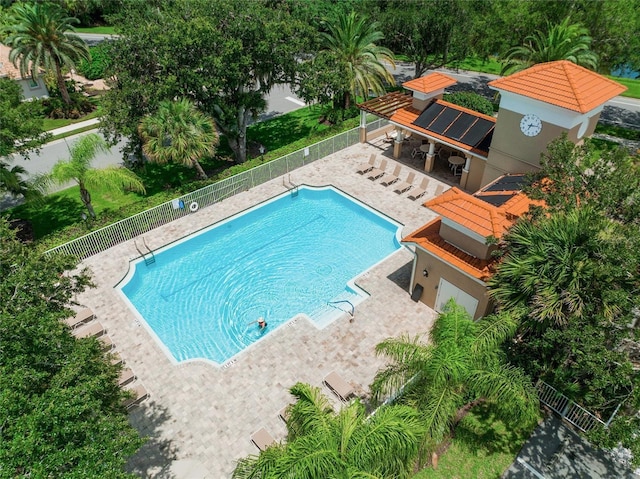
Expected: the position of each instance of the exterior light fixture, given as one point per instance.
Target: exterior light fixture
(425, 273)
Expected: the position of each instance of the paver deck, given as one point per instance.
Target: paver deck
(205, 414)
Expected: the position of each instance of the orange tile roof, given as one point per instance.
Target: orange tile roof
(429, 83)
(478, 215)
(563, 84)
(406, 116)
(428, 237)
(6, 66)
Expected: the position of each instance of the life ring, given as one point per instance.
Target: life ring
(194, 207)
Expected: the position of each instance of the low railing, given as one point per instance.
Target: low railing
(569, 410)
(133, 226)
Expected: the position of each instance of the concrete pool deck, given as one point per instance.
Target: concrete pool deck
(203, 415)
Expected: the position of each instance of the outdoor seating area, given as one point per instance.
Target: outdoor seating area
(393, 179)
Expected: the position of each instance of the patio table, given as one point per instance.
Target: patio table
(456, 162)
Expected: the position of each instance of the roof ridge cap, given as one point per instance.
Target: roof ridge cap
(569, 74)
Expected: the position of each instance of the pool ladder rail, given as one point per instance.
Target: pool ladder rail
(351, 313)
(149, 257)
(290, 186)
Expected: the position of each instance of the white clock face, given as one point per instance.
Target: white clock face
(530, 125)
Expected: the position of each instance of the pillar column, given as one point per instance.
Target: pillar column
(397, 144)
(429, 161)
(363, 126)
(465, 172)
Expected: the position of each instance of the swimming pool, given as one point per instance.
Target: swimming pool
(297, 253)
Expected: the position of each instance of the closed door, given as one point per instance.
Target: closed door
(446, 291)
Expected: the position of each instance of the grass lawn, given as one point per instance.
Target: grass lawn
(101, 30)
(633, 86)
(65, 208)
(285, 129)
(475, 64)
(51, 123)
(482, 448)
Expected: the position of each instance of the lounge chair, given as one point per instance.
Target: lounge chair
(262, 439)
(80, 318)
(439, 190)
(284, 413)
(106, 343)
(94, 330)
(376, 173)
(139, 395)
(420, 190)
(116, 359)
(391, 178)
(366, 167)
(126, 376)
(405, 185)
(339, 386)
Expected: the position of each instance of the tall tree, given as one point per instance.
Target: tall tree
(323, 443)
(42, 37)
(78, 169)
(60, 403)
(461, 366)
(430, 33)
(21, 125)
(564, 41)
(352, 40)
(13, 181)
(571, 275)
(179, 133)
(225, 56)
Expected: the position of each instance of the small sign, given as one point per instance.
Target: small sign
(306, 151)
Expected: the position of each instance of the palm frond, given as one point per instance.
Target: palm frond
(509, 389)
(311, 411)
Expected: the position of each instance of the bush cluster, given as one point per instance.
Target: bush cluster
(97, 66)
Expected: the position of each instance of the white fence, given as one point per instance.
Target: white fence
(569, 410)
(129, 228)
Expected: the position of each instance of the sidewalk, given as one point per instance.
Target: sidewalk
(75, 126)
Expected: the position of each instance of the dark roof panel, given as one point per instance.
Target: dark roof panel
(428, 115)
(495, 200)
(459, 127)
(477, 132)
(456, 124)
(508, 183)
(444, 120)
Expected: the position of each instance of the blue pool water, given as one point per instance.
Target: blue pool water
(293, 254)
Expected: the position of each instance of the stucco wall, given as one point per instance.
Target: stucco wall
(437, 269)
(32, 90)
(465, 243)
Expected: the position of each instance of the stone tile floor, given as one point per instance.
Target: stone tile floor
(204, 414)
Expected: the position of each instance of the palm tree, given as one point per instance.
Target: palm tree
(352, 41)
(40, 38)
(559, 267)
(322, 443)
(180, 133)
(460, 367)
(78, 168)
(565, 41)
(12, 181)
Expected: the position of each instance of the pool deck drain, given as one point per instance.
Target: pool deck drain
(201, 412)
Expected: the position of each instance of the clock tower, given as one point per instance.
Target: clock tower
(539, 104)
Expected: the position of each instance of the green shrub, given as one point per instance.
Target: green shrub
(472, 101)
(55, 107)
(96, 67)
